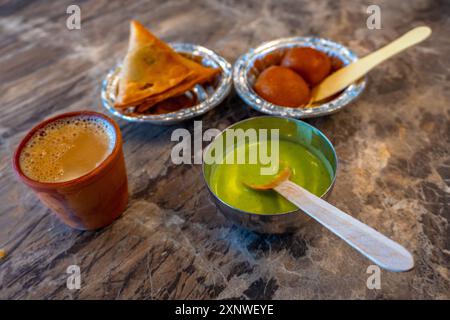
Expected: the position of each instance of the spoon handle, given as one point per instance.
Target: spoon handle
(349, 74)
(369, 242)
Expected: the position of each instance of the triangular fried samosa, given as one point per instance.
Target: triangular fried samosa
(199, 75)
(150, 67)
(153, 72)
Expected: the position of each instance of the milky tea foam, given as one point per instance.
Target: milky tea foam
(67, 148)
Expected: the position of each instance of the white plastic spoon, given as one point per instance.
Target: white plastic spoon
(349, 74)
(378, 248)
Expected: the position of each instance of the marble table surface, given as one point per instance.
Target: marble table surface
(171, 243)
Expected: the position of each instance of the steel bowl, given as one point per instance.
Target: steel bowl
(209, 96)
(289, 129)
(245, 73)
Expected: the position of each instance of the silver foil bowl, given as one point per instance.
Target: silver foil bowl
(208, 95)
(245, 73)
(289, 129)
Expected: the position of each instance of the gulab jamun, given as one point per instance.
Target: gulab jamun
(282, 86)
(336, 64)
(313, 65)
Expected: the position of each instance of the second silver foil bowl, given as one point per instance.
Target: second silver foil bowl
(245, 74)
(290, 129)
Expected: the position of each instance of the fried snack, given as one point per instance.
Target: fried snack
(313, 65)
(174, 104)
(200, 75)
(150, 67)
(152, 71)
(282, 86)
(336, 64)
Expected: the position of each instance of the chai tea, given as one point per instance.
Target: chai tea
(67, 149)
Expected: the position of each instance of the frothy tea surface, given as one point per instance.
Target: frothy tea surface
(67, 149)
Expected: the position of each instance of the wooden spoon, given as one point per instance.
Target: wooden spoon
(369, 242)
(349, 74)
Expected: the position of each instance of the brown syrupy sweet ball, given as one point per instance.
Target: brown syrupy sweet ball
(282, 86)
(313, 65)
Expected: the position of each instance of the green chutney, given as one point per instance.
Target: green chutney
(310, 170)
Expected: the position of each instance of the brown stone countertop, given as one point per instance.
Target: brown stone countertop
(171, 243)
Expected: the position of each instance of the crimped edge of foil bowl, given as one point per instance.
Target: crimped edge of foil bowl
(245, 90)
(209, 58)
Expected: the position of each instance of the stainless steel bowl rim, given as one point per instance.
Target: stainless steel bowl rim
(246, 92)
(324, 195)
(221, 91)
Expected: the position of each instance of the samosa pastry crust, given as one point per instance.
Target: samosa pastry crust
(150, 67)
(197, 78)
(152, 71)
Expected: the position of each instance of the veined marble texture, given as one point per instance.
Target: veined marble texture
(171, 243)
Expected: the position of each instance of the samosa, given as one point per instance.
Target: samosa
(152, 71)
